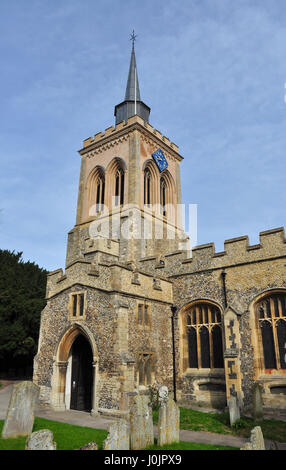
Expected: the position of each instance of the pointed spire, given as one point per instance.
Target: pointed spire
(132, 103)
(132, 88)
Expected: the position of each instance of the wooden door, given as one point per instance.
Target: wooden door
(81, 376)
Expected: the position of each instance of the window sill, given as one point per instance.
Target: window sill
(203, 372)
(274, 373)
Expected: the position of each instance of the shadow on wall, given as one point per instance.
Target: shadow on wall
(213, 394)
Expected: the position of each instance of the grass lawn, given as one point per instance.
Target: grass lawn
(219, 423)
(70, 437)
(67, 436)
(190, 446)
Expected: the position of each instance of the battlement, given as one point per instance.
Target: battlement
(109, 277)
(101, 136)
(236, 251)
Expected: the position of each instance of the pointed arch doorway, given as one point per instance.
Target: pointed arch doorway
(81, 375)
(76, 361)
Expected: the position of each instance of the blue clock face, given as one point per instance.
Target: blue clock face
(160, 160)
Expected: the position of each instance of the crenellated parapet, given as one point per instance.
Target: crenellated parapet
(100, 140)
(237, 251)
(111, 277)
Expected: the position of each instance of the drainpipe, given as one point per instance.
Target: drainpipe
(223, 275)
(174, 310)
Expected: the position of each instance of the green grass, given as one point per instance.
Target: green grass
(67, 436)
(219, 423)
(70, 437)
(190, 446)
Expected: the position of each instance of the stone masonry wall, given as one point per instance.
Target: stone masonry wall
(250, 271)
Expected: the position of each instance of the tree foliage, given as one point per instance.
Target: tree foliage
(22, 298)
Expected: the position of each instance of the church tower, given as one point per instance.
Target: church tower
(131, 310)
(129, 189)
(105, 330)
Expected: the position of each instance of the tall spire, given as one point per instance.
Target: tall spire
(132, 87)
(132, 103)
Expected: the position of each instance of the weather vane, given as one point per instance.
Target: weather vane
(133, 37)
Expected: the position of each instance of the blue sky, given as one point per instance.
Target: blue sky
(213, 73)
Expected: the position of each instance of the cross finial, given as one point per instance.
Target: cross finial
(133, 37)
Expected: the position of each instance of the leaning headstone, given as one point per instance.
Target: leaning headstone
(41, 440)
(168, 423)
(234, 412)
(256, 440)
(257, 403)
(163, 394)
(90, 446)
(20, 414)
(118, 436)
(141, 423)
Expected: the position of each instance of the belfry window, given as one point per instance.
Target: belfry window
(96, 190)
(119, 187)
(147, 187)
(100, 187)
(271, 313)
(204, 334)
(163, 194)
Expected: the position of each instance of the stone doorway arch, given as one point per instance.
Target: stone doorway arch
(62, 359)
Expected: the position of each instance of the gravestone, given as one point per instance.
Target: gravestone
(169, 423)
(118, 436)
(234, 411)
(141, 423)
(20, 414)
(41, 440)
(256, 440)
(163, 394)
(257, 403)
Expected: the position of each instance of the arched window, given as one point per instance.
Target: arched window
(116, 173)
(147, 187)
(163, 196)
(100, 188)
(204, 335)
(119, 187)
(96, 190)
(271, 314)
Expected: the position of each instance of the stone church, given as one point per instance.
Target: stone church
(132, 309)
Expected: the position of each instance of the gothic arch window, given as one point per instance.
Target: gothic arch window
(151, 184)
(119, 187)
(271, 316)
(163, 196)
(147, 187)
(96, 190)
(100, 187)
(168, 196)
(115, 182)
(203, 331)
